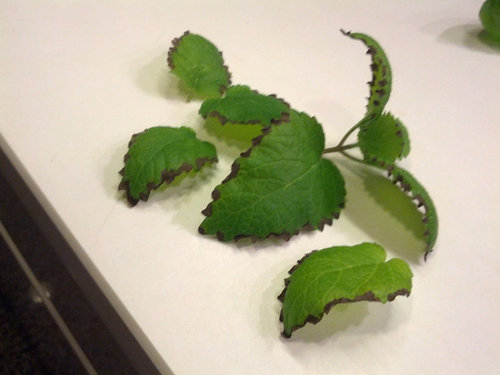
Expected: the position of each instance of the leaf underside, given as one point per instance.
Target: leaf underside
(280, 185)
(199, 64)
(241, 105)
(325, 278)
(380, 85)
(415, 190)
(384, 140)
(160, 154)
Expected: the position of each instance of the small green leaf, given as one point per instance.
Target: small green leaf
(384, 139)
(160, 154)
(278, 186)
(409, 184)
(241, 105)
(325, 278)
(380, 85)
(199, 64)
(490, 18)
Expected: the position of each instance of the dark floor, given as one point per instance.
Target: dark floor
(30, 341)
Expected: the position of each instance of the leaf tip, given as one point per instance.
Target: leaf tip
(175, 43)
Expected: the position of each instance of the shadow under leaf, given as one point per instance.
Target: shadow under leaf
(238, 135)
(471, 36)
(384, 212)
(155, 79)
(340, 318)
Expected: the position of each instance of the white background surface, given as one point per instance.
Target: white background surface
(79, 78)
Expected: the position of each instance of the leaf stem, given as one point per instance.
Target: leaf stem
(358, 160)
(353, 158)
(349, 132)
(340, 147)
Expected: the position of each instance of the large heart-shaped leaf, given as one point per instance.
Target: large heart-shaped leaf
(278, 186)
(325, 278)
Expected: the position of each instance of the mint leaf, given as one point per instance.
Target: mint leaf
(380, 85)
(325, 278)
(160, 154)
(278, 186)
(415, 190)
(241, 105)
(385, 139)
(199, 64)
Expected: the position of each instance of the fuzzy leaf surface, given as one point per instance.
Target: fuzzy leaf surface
(381, 83)
(160, 154)
(241, 105)
(416, 191)
(325, 278)
(385, 139)
(280, 185)
(199, 64)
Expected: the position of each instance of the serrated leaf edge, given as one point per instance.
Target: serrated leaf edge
(420, 202)
(167, 175)
(399, 133)
(175, 44)
(368, 296)
(234, 172)
(374, 66)
(284, 116)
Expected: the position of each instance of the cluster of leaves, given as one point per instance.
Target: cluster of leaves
(283, 183)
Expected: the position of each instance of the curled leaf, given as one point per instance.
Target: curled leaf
(278, 186)
(160, 154)
(199, 64)
(415, 190)
(384, 140)
(380, 85)
(241, 105)
(341, 274)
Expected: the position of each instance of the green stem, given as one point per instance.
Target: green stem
(385, 167)
(340, 148)
(349, 132)
(353, 158)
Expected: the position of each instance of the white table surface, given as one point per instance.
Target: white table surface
(78, 78)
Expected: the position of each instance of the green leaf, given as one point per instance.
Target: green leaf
(278, 186)
(415, 190)
(241, 105)
(384, 139)
(199, 64)
(380, 85)
(490, 18)
(325, 278)
(160, 154)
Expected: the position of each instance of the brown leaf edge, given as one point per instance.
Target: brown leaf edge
(175, 44)
(368, 296)
(286, 236)
(399, 134)
(377, 87)
(167, 175)
(422, 201)
(284, 116)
